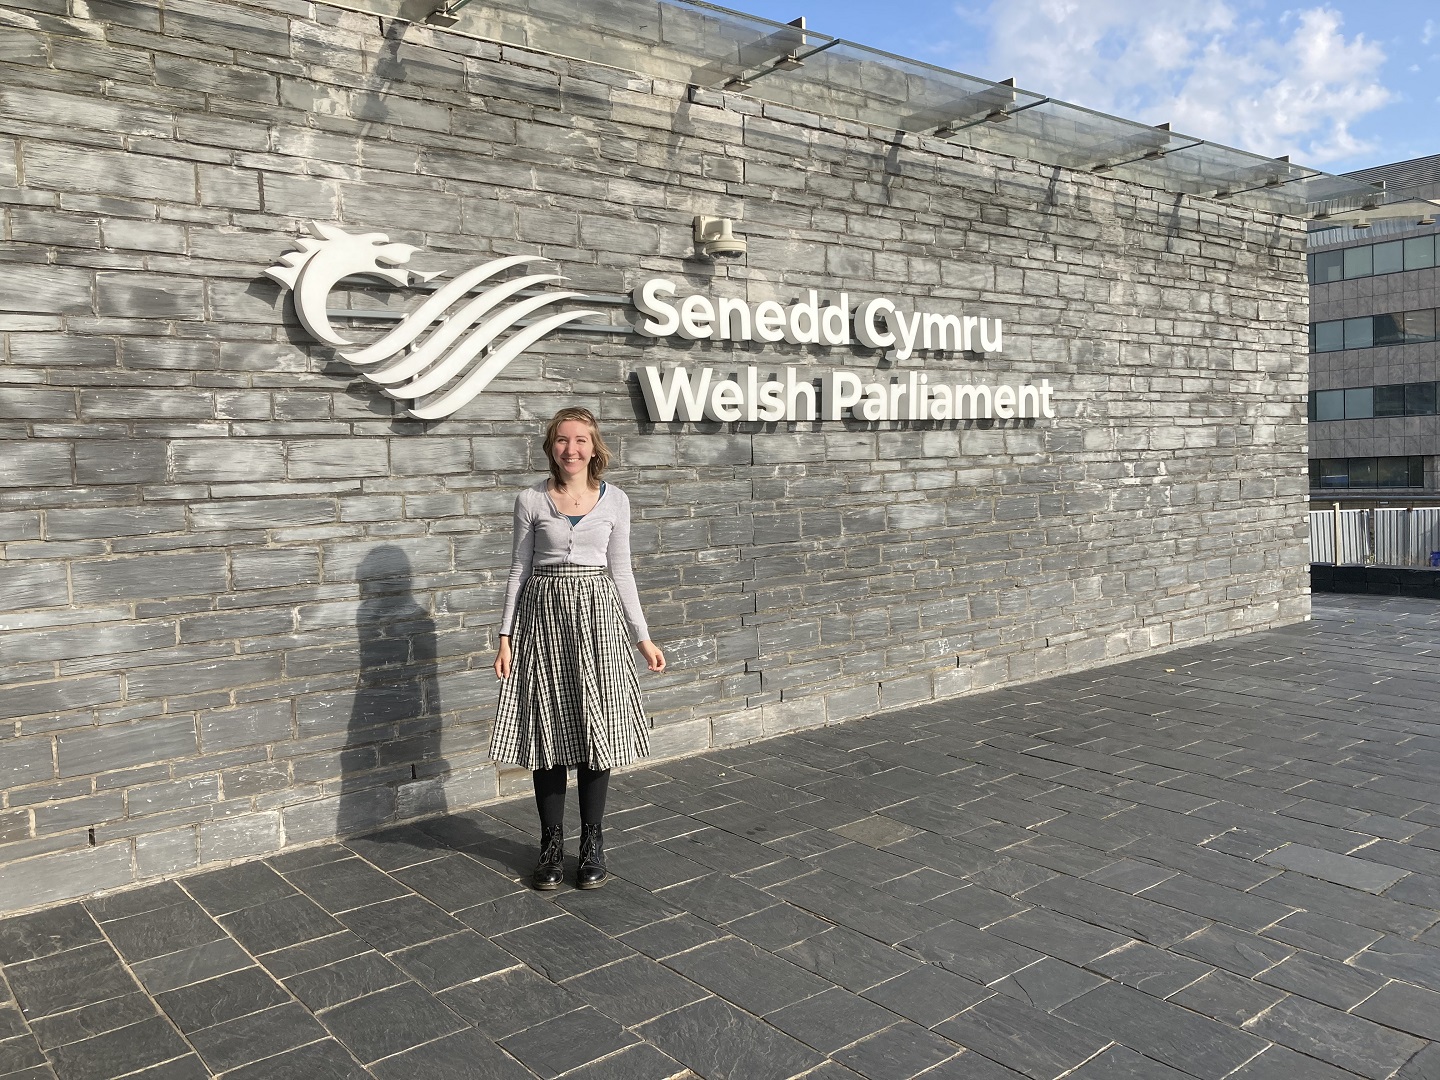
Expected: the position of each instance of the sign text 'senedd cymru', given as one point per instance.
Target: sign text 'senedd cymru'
(682, 393)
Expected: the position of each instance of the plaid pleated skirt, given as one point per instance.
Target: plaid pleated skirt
(572, 697)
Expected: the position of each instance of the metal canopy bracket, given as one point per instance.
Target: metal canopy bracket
(788, 62)
(997, 116)
(1142, 146)
(986, 104)
(1271, 174)
(778, 51)
(446, 15)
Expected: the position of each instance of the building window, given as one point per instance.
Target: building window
(1367, 472)
(1358, 263)
(1360, 333)
(1370, 260)
(1392, 472)
(1329, 404)
(1365, 402)
(1405, 328)
(1389, 258)
(1420, 253)
(1328, 473)
(1329, 336)
(1368, 331)
(1390, 400)
(1327, 266)
(1420, 399)
(1364, 471)
(1418, 326)
(1389, 329)
(1360, 403)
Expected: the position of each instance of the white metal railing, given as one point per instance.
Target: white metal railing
(1376, 537)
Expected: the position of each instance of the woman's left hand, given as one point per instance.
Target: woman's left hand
(654, 658)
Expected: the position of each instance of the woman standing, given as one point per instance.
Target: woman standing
(569, 696)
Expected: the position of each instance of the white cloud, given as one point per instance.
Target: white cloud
(1428, 34)
(1295, 84)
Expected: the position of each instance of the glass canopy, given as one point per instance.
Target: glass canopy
(711, 47)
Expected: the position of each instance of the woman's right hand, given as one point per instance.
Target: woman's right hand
(502, 659)
(654, 658)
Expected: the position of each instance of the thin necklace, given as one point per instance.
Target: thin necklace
(574, 499)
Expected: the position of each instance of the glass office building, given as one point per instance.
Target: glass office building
(1374, 351)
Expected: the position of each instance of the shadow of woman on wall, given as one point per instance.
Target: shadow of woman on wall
(393, 766)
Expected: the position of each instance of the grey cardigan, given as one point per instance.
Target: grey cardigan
(544, 536)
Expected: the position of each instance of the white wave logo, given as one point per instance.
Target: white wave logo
(436, 360)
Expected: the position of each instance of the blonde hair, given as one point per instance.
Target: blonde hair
(599, 462)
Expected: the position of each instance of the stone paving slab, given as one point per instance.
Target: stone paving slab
(1220, 862)
(1363, 874)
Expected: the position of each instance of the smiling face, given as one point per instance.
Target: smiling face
(572, 449)
(575, 448)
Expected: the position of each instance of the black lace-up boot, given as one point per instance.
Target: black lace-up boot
(550, 870)
(592, 873)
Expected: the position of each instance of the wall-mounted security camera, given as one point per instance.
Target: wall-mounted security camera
(715, 238)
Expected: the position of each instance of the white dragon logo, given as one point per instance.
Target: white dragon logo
(438, 375)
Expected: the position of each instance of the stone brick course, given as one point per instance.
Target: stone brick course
(246, 604)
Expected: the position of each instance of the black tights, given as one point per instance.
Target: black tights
(550, 794)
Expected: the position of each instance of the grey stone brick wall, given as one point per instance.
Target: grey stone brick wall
(246, 604)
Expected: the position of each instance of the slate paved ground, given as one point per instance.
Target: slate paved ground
(1219, 862)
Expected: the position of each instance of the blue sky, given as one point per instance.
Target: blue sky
(1337, 85)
